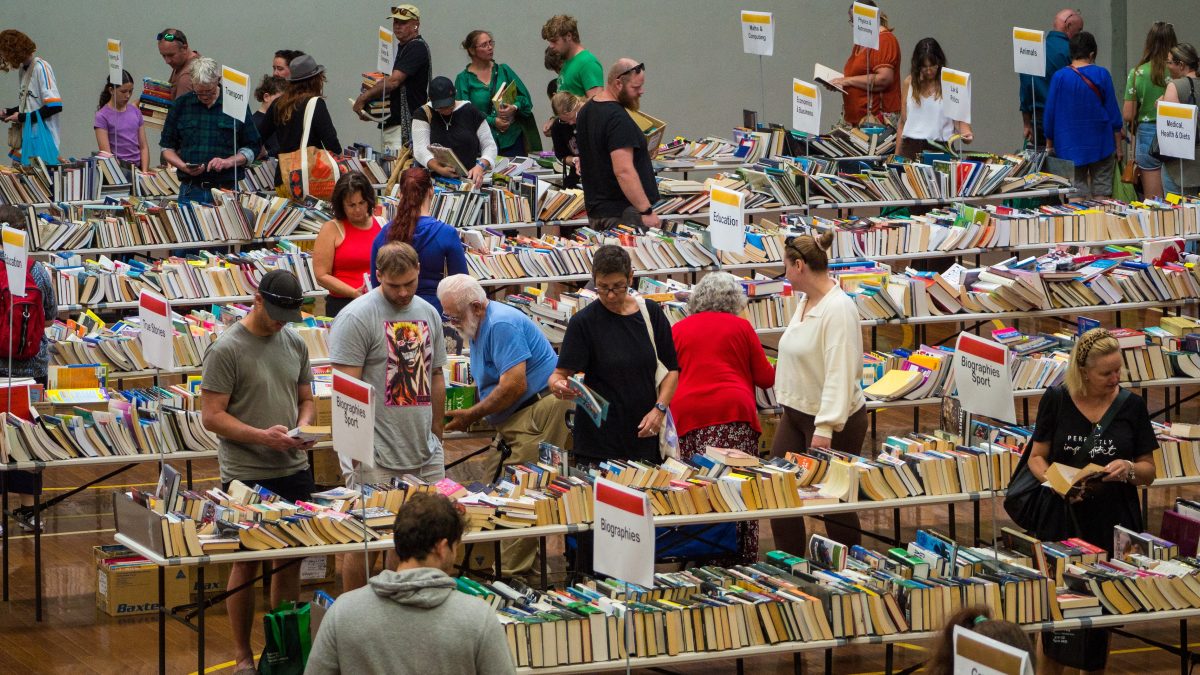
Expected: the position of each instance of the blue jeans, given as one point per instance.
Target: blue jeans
(189, 194)
(1146, 134)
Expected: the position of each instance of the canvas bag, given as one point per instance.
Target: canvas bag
(14, 129)
(310, 171)
(668, 440)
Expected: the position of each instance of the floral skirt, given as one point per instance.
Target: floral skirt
(738, 436)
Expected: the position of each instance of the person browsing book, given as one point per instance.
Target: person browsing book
(871, 77)
(458, 127)
(817, 377)
(406, 87)
(977, 619)
(257, 384)
(284, 120)
(342, 252)
(1144, 86)
(118, 125)
(721, 361)
(921, 116)
(512, 123)
(1092, 420)
(1033, 89)
(392, 339)
(413, 619)
(175, 52)
(38, 91)
(614, 161)
(437, 244)
(1183, 64)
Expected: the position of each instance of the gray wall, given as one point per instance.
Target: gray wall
(698, 78)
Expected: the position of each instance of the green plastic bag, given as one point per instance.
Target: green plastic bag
(289, 639)
(1121, 190)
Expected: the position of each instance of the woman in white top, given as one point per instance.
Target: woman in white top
(817, 378)
(921, 116)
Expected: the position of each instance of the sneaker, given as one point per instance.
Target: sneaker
(24, 518)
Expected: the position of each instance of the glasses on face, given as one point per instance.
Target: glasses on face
(639, 68)
(619, 289)
(206, 92)
(166, 35)
(485, 45)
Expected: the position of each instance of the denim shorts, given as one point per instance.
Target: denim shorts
(1146, 133)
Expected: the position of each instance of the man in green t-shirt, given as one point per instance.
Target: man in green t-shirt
(581, 74)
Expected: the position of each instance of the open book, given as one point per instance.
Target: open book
(1069, 481)
(447, 157)
(824, 75)
(595, 405)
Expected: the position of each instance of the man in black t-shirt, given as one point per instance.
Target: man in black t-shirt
(408, 84)
(618, 178)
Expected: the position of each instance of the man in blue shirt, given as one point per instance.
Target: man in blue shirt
(1067, 23)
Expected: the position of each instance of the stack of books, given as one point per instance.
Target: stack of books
(155, 101)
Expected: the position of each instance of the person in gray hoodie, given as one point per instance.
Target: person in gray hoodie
(413, 620)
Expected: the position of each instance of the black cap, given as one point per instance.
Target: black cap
(441, 92)
(282, 295)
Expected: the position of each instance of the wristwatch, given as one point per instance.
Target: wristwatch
(1132, 474)
(649, 210)
(660, 407)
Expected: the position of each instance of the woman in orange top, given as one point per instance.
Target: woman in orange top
(342, 252)
(876, 71)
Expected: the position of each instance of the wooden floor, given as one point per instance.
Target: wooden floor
(76, 637)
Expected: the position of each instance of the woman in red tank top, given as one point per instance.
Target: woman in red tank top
(342, 252)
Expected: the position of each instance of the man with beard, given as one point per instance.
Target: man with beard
(511, 363)
(392, 339)
(618, 178)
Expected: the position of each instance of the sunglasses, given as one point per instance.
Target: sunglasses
(639, 68)
(283, 301)
(404, 11)
(168, 36)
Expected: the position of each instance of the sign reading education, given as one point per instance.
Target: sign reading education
(726, 219)
(386, 60)
(158, 335)
(624, 527)
(982, 376)
(1177, 130)
(16, 257)
(235, 89)
(116, 66)
(353, 418)
(758, 33)
(866, 25)
(956, 94)
(1029, 52)
(981, 655)
(806, 108)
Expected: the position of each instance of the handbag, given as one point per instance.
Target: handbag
(289, 640)
(1031, 505)
(668, 440)
(311, 172)
(37, 141)
(14, 129)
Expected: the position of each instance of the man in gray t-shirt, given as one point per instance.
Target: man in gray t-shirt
(257, 384)
(392, 340)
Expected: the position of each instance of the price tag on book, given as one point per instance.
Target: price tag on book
(866, 25)
(983, 379)
(386, 59)
(956, 94)
(235, 88)
(727, 220)
(116, 67)
(758, 33)
(1177, 130)
(806, 108)
(16, 257)
(624, 526)
(353, 419)
(157, 335)
(1029, 52)
(981, 655)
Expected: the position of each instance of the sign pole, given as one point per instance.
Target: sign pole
(629, 626)
(762, 88)
(235, 151)
(1032, 97)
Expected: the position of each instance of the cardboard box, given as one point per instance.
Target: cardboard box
(324, 411)
(130, 589)
(769, 423)
(325, 466)
(318, 569)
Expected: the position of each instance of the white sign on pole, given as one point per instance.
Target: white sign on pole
(624, 526)
(386, 40)
(1177, 130)
(806, 108)
(726, 219)
(981, 374)
(1029, 52)
(16, 257)
(116, 66)
(956, 94)
(866, 25)
(235, 86)
(981, 655)
(353, 418)
(157, 335)
(758, 33)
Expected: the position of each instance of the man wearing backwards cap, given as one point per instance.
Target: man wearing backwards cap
(257, 385)
(407, 86)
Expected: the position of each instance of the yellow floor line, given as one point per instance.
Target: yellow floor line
(1131, 650)
(219, 667)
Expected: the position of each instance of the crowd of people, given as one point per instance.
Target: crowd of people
(397, 288)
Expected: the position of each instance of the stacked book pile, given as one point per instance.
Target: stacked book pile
(1178, 451)
(162, 182)
(21, 185)
(847, 141)
(378, 108)
(155, 101)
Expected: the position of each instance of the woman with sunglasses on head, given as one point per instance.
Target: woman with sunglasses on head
(817, 377)
(1183, 63)
(1144, 86)
(513, 125)
(118, 125)
(921, 116)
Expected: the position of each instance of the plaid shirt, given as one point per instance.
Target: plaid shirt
(199, 134)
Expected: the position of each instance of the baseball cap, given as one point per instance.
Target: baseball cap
(441, 92)
(282, 295)
(405, 13)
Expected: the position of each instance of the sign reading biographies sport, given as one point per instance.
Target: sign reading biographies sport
(758, 33)
(806, 108)
(982, 377)
(353, 418)
(624, 527)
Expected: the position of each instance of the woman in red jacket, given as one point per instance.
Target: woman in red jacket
(720, 361)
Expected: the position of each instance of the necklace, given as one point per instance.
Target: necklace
(446, 120)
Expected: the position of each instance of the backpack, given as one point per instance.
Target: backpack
(22, 320)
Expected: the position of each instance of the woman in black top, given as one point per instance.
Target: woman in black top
(285, 117)
(609, 343)
(268, 90)
(456, 125)
(1068, 419)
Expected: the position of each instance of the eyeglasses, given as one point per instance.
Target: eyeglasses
(639, 68)
(614, 290)
(485, 45)
(168, 36)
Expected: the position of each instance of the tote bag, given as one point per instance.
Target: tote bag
(310, 172)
